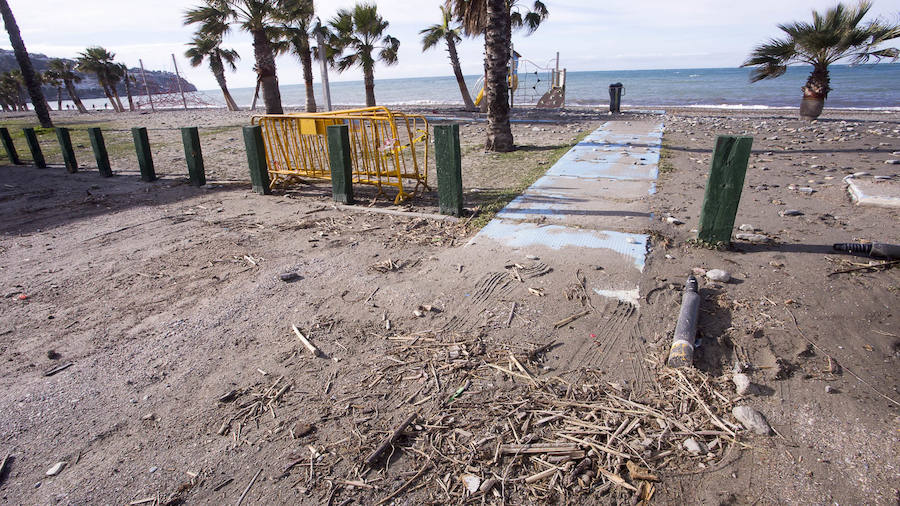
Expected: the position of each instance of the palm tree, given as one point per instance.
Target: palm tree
(362, 31)
(296, 17)
(9, 92)
(99, 61)
(835, 35)
(434, 34)
(65, 71)
(258, 17)
(207, 47)
(496, 19)
(19, 82)
(51, 78)
(34, 87)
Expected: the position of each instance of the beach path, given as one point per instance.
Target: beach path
(585, 218)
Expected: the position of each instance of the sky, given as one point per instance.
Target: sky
(588, 34)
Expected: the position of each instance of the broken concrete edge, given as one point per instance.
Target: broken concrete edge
(862, 199)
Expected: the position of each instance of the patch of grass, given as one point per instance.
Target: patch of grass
(719, 246)
(500, 198)
(665, 159)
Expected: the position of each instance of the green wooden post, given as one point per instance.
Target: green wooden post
(256, 159)
(9, 146)
(340, 162)
(723, 189)
(68, 152)
(449, 168)
(100, 152)
(190, 137)
(145, 158)
(35, 147)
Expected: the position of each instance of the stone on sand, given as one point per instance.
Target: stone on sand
(752, 420)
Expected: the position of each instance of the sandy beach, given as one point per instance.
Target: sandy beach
(168, 303)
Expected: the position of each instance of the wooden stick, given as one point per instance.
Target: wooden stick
(512, 312)
(566, 321)
(405, 485)
(244, 494)
(377, 452)
(309, 346)
(58, 368)
(866, 267)
(3, 465)
(541, 475)
(551, 448)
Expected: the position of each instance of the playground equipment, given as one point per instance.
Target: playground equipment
(386, 147)
(531, 83)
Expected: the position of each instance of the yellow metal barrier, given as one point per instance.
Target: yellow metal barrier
(387, 148)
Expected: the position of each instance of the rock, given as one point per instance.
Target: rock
(754, 238)
(718, 275)
(288, 277)
(830, 389)
(153, 469)
(791, 212)
(860, 174)
(692, 445)
(746, 227)
(471, 482)
(741, 383)
(674, 221)
(806, 189)
(56, 469)
(892, 162)
(752, 420)
(698, 271)
(532, 257)
(883, 178)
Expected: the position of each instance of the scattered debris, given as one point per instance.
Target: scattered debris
(741, 383)
(752, 420)
(377, 452)
(289, 277)
(309, 346)
(56, 468)
(249, 485)
(718, 275)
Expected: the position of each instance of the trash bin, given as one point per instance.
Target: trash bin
(616, 91)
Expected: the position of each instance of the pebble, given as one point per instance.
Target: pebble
(884, 178)
(830, 389)
(532, 257)
(56, 469)
(791, 212)
(154, 469)
(471, 482)
(746, 227)
(755, 238)
(892, 162)
(860, 174)
(287, 277)
(698, 271)
(690, 444)
(631, 240)
(741, 383)
(674, 221)
(806, 189)
(718, 275)
(752, 420)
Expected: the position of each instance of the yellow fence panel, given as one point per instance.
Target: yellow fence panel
(388, 149)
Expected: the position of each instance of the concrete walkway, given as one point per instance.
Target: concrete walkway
(590, 208)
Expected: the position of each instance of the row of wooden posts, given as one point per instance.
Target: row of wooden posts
(446, 141)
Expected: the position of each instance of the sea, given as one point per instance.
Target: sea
(864, 87)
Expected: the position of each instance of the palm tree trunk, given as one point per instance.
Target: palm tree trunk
(496, 91)
(109, 96)
(59, 97)
(817, 86)
(128, 91)
(369, 80)
(70, 88)
(118, 100)
(457, 71)
(306, 63)
(265, 68)
(34, 88)
(229, 101)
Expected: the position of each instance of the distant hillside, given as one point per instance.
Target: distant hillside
(158, 81)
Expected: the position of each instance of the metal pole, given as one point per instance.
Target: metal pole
(178, 80)
(326, 89)
(556, 74)
(147, 88)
